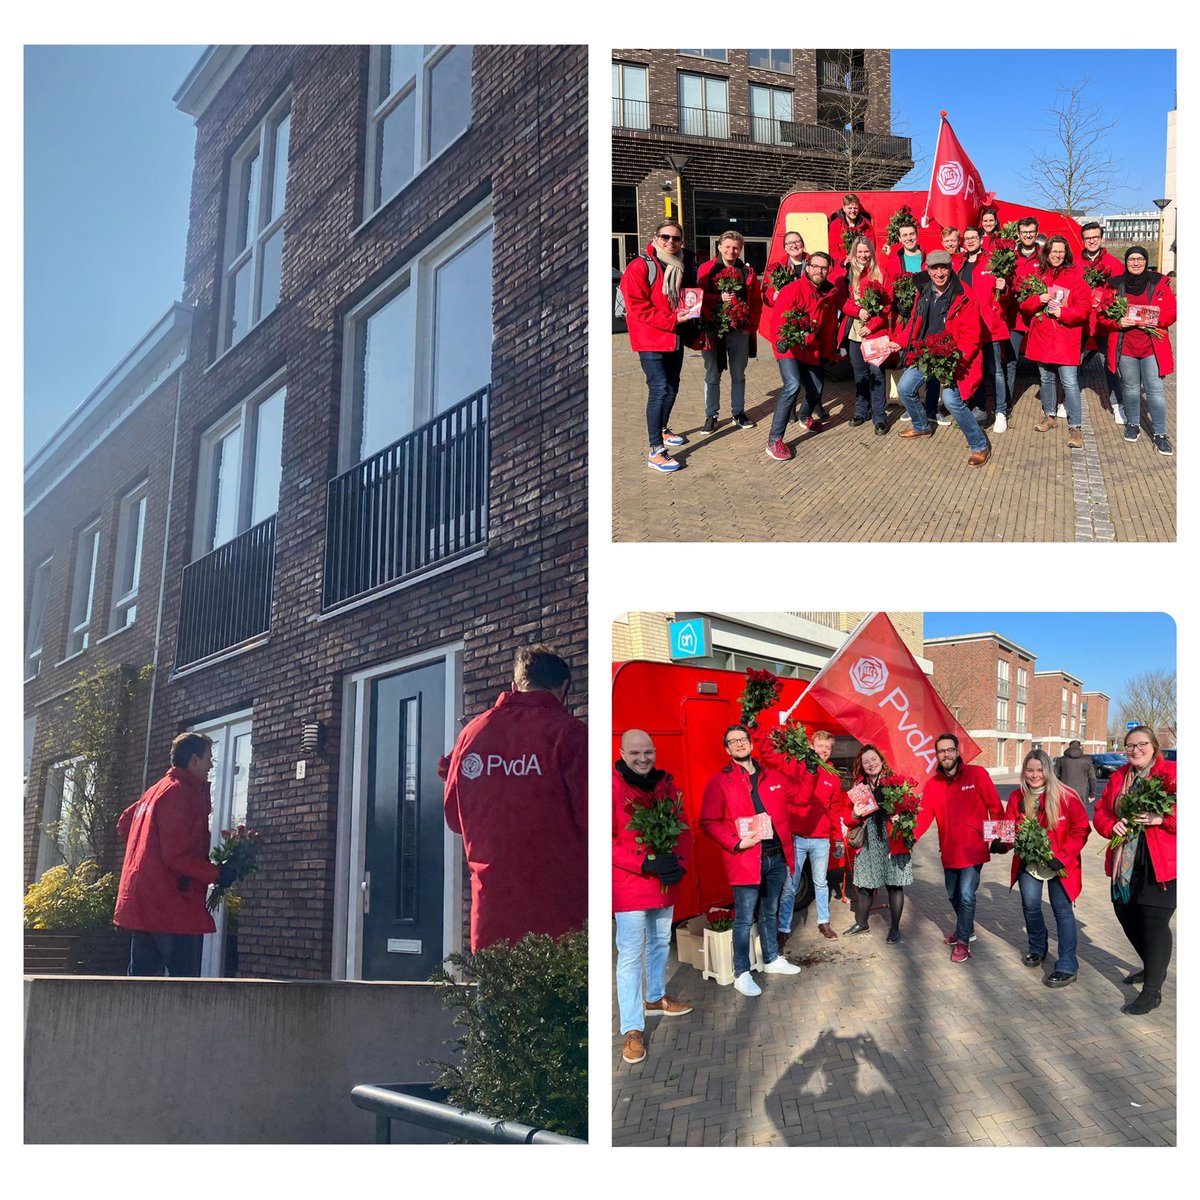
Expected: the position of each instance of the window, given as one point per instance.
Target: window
(64, 839)
(704, 106)
(240, 467)
(630, 109)
(127, 572)
(1002, 716)
(422, 342)
(38, 595)
(770, 60)
(254, 234)
(420, 101)
(768, 108)
(1002, 670)
(87, 554)
(1021, 718)
(715, 55)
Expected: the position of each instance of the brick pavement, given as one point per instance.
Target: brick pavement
(847, 485)
(878, 1045)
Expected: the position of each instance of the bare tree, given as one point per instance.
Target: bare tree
(1075, 172)
(1149, 699)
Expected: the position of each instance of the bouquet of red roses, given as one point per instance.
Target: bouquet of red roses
(937, 357)
(792, 742)
(795, 329)
(1031, 285)
(1095, 277)
(1003, 260)
(874, 299)
(779, 275)
(729, 280)
(733, 314)
(657, 825)
(902, 216)
(1116, 308)
(720, 920)
(761, 691)
(902, 803)
(904, 294)
(239, 849)
(1009, 231)
(1155, 794)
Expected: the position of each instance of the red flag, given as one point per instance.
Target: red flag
(876, 689)
(955, 189)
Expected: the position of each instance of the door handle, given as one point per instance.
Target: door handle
(366, 893)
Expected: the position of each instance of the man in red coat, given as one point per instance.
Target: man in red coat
(645, 888)
(1028, 253)
(1096, 258)
(165, 877)
(850, 218)
(516, 789)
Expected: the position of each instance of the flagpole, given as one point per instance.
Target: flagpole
(932, 170)
(783, 717)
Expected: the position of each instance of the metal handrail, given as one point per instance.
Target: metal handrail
(390, 1105)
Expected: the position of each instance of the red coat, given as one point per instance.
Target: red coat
(1016, 318)
(816, 802)
(963, 326)
(850, 307)
(838, 225)
(993, 305)
(633, 891)
(727, 797)
(167, 870)
(960, 806)
(821, 306)
(1055, 341)
(516, 790)
(1111, 266)
(896, 844)
(1160, 839)
(1067, 838)
(649, 313)
(1164, 297)
(893, 264)
(712, 297)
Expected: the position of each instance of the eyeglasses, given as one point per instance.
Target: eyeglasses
(669, 237)
(1138, 745)
(738, 741)
(1092, 237)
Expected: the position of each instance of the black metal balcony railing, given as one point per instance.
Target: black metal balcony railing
(704, 122)
(834, 76)
(226, 595)
(417, 502)
(630, 114)
(770, 131)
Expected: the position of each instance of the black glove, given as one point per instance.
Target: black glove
(227, 876)
(660, 864)
(839, 850)
(998, 847)
(1057, 864)
(811, 767)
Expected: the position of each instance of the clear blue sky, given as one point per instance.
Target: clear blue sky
(998, 113)
(108, 169)
(1102, 649)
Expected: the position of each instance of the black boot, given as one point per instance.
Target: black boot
(1136, 978)
(1148, 999)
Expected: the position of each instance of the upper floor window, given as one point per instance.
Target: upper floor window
(704, 106)
(254, 231)
(715, 55)
(768, 108)
(38, 595)
(421, 342)
(770, 60)
(630, 96)
(127, 573)
(420, 101)
(83, 588)
(240, 468)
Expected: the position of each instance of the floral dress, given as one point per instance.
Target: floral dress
(874, 865)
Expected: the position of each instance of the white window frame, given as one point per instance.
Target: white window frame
(260, 230)
(1002, 670)
(1001, 714)
(49, 854)
(776, 137)
(35, 638)
(379, 111)
(621, 102)
(771, 61)
(243, 415)
(83, 595)
(127, 563)
(417, 273)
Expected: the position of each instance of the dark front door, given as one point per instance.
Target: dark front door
(402, 924)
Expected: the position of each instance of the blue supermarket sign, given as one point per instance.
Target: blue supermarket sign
(1132, 724)
(690, 639)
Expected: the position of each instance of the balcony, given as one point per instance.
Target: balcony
(769, 131)
(630, 114)
(706, 123)
(1022, 694)
(415, 504)
(835, 77)
(225, 598)
(1001, 725)
(1002, 689)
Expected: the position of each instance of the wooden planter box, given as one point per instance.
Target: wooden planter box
(76, 952)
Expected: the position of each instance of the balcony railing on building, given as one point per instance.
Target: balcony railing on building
(417, 503)
(1022, 694)
(1002, 689)
(1002, 725)
(225, 598)
(835, 77)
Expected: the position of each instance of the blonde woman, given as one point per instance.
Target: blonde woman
(1061, 813)
(870, 400)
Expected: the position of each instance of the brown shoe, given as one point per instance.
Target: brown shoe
(910, 432)
(827, 931)
(668, 1007)
(1046, 423)
(979, 457)
(1075, 438)
(635, 1048)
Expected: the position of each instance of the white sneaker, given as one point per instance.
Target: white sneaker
(1061, 414)
(781, 966)
(1000, 424)
(1119, 415)
(904, 416)
(745, 984)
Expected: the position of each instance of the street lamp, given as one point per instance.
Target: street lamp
(677, 162)
(1160, 205)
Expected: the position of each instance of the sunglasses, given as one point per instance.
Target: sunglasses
(669, 237)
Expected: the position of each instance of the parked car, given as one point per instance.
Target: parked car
(1106, 764)
(1169, 755)
(618, 323)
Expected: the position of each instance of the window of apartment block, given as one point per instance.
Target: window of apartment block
(768, 108)
(39, 592)
(83, 588)
(240, 467)
(1002, 715)
(1002, 670)
(421, 342)
(703, 106)
(254, 229)
(1020, 718)
(127, 571)
(630, 97)
(420, 101)
(770, 60)
(715, 55)
(61, 829)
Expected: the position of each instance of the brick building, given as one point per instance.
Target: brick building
(721, 136)
(385, 266)
(1056, 710)
(1093, 724)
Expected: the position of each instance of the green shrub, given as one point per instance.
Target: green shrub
(522, 1010)
(65, 900)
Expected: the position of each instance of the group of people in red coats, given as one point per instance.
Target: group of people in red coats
(954, 322)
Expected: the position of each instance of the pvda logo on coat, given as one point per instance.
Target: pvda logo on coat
(869, 675)
(472, 766)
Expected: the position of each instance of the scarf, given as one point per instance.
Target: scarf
(672, 274)
(643, 783)
(1122, 873)
(1137, 285)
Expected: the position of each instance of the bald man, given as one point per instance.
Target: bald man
(645, 889)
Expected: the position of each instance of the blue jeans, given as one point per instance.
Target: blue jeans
(816, 850)
(961, 885)
(766, 896)
(794, 373)
(870, 396)
(1069, 375)
(1016, 339)
(1138, 374)
(911, 381)
(647, 930)
(993, 369)
(737, 350)
(1035, 922)
(165, 954)
(662, 379)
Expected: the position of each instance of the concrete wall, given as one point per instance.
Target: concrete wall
(220, 1060)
